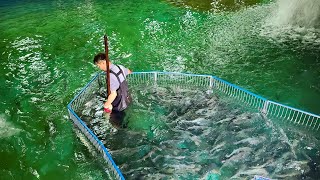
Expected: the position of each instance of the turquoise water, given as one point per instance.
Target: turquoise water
(46, 57)
(173, 132)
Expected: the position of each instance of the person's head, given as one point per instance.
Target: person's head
(100, 61)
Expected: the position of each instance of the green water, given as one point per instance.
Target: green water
(177, 133)
(46, 57)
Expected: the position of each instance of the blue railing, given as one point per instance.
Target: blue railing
(77, 101)
(267, 107)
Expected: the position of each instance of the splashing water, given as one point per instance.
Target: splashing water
(47, 49)
(294, 20)
(178, 133)
(304, 13)
(7, 129)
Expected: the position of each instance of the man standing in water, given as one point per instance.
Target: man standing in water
(119, 97)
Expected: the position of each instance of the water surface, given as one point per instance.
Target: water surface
(46, 57)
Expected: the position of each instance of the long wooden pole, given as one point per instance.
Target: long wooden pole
(107, 63)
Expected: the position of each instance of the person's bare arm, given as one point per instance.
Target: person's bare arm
(110, 99)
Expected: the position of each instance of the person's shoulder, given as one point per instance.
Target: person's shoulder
(112, 76)
(126, 70)
(122, 66)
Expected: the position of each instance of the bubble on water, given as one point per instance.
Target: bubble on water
(34, 172)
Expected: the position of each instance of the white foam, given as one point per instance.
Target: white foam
(304, 13)
(7, 129)
(292, 20)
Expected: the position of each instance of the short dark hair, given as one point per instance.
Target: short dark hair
(99, 57)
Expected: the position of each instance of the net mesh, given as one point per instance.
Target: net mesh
(268, 108)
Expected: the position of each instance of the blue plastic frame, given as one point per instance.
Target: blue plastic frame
(105, 151)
